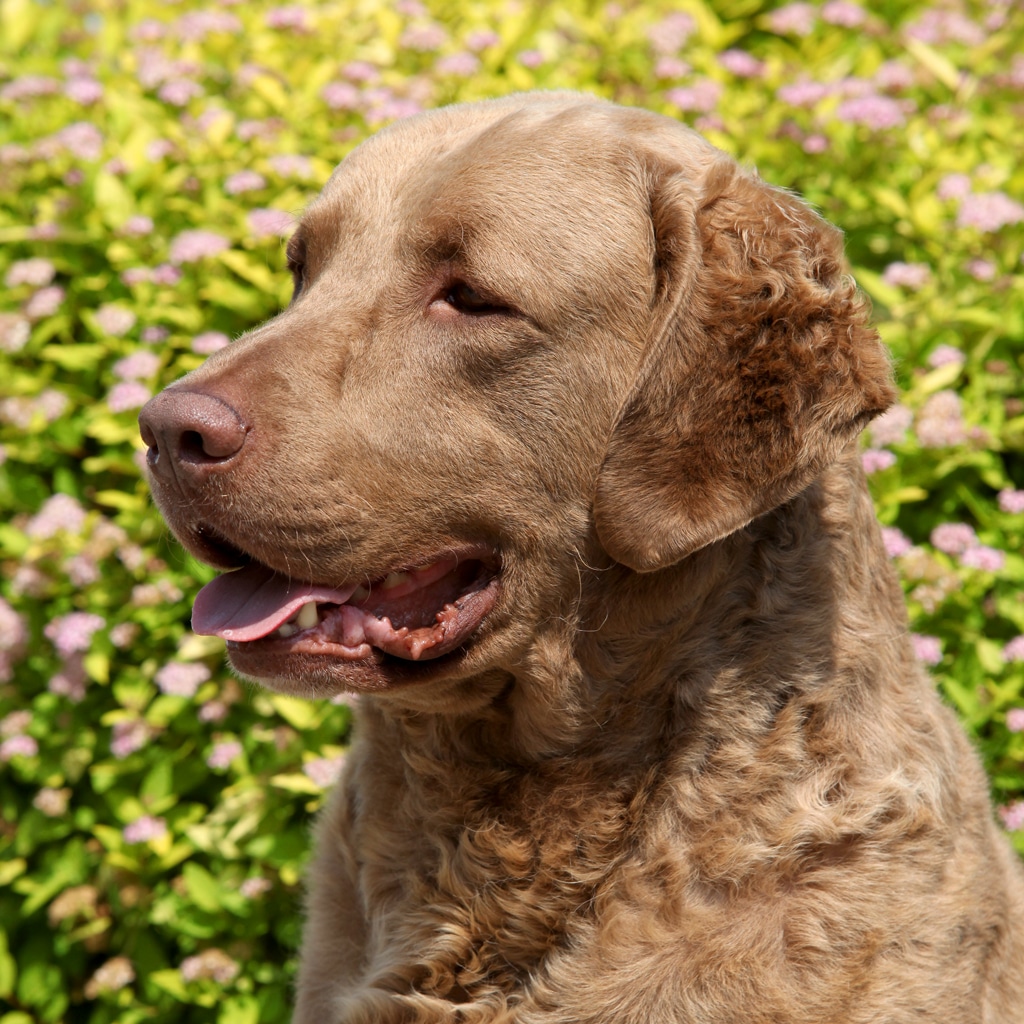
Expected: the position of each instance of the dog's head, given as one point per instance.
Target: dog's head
(526, 335)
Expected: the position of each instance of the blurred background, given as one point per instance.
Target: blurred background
(154, 812)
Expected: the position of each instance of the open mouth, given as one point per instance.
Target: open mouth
(416, 614)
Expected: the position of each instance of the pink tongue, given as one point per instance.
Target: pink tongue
(253, 601)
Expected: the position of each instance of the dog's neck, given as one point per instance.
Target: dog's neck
(653, 664)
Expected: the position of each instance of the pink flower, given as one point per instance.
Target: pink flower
(877, 112)
(244, 181)
(28, 87)
(14, 332)
(213, 711)
(874, 460)
(18, 746)
(341, 96)
(192, 246)
(891, 427)
(953, 538)
(36, 272)
(140, 365)
(291, 165)
(841, 12)
(114, 320)
(1011, 501)
(253, 887)
(44, 302)
(946, 355)
(953, 186)
(482, 40)
(212, 965)
(52, 802)
(324, 771)
(73, 632)
(224, 753)
(83, 91)
(181, 679)
(984, 558)
(268, 223)
(210, 341)
(15, 723)
(426, 38)
(461, 64)
(671, 67)
(669, 35)
(128, 736)
(1014, 650)
(1015, 719)
(702, 96)
(802, 94)
(128, 394)
(81, 139)
(116, 974)
(165, 274)
(989, 211)
(980, 269)
(793, 19)
(939, 423)
(892, 74)
(907, 275)
(741, 64)
(290, 17)
(137, 225)
(58, 512)
(13, 634)
(815, 144)
(530, 58)
(144, 829)
(927, 648)
(158, 149)
(70, 679)
(938, 27)
(361, 71)
(1013, 816)
(136, 275)
(154, 333)
(178, 91)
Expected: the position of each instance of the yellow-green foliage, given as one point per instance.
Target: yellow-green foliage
(153, 812)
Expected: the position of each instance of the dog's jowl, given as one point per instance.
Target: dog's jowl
(553, 459)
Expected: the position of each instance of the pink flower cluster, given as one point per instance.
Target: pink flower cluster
(265, 223)
(212, 965)
(13, 638)
(324, 771)
(58, 512)
(127, 394)
(73, 632)
(912, 276)
(197, 244)
(181, 679)
(927, 649)
(1011, 501)
(36, 272)
(940, 423)
(960, 540)
(114, 320)
(244, 181)
(224, 753)
(989, 211)
(144, 829)
(1014, 650)
(209, 341)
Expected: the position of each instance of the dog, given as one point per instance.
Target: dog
(553, 460)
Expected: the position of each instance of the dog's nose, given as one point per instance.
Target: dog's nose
(190, 431)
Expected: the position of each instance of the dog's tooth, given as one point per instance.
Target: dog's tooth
(425, 566)
(286, 629)
(360, 593)
(307, 617)
(395, 579)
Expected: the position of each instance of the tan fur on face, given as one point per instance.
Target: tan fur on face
(688, 770)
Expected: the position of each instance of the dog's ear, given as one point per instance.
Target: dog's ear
(759, 369)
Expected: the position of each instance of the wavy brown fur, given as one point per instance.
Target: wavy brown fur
(689, 771)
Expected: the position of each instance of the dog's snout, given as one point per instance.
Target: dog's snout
(191, 431)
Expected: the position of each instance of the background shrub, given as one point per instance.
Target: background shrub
(153, 812)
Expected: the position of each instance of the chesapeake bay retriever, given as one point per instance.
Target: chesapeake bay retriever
(553, 458)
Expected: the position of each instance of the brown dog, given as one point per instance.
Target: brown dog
(553, 456)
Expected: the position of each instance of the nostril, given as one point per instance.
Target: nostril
(190, 429)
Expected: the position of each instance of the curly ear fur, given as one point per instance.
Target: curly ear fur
(760, 368)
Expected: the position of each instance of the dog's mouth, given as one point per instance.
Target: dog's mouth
(415, 614)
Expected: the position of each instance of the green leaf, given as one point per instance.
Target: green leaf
(75, 357)
(8, 967)
(296, 783)
(202, 887)
(239, 1010)
(302, 714)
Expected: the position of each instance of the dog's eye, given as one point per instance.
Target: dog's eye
(467, 299)
(297, 270)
